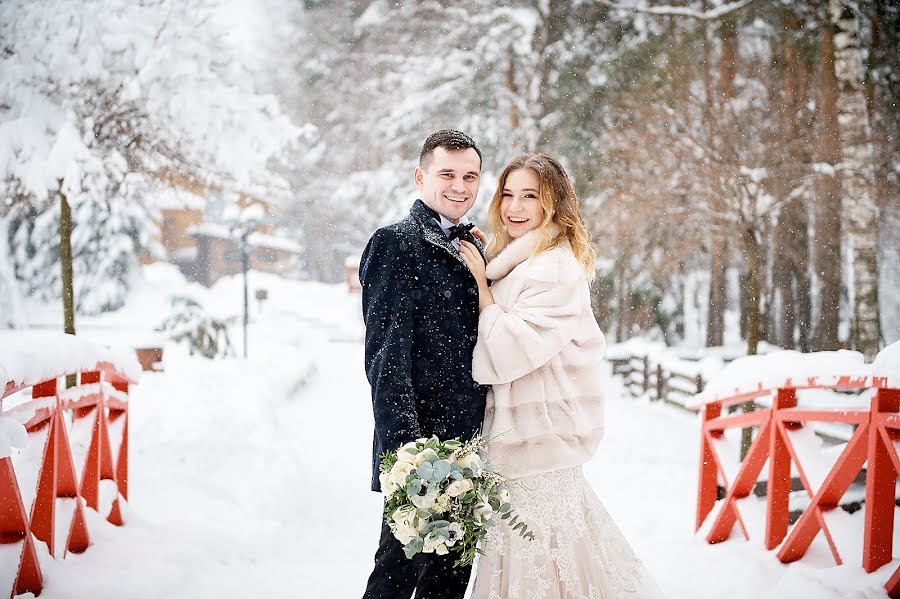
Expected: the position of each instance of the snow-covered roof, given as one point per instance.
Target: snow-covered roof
(174, 198)
(273, 242)
(259, 240)
(31, 357)
(762, 374)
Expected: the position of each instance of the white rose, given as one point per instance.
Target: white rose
(425, 454)
(458, 487)
(405, 456)
(405, 534)
(471, 461)
(504, 496)
(441, 549)
(388, 486)
(402, 515)
(400, 471)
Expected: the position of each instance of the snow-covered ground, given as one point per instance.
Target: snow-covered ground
(250, 478)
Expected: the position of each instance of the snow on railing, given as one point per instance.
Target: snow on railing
(60, 449)
(784, 442)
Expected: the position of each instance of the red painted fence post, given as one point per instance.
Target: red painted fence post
(707, 491)
(778, 487)
(881, 478)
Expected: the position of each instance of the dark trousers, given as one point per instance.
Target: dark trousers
(432, 576)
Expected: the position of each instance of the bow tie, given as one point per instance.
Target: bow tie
(460, 231)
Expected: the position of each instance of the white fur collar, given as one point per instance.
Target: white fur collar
(517, 252)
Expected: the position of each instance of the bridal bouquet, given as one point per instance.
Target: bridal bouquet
(440, 496)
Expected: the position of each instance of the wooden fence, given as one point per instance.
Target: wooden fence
(643, 375)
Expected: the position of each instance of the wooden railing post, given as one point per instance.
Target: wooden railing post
(778, 488)
(646, 361)
(881, 479)
(707, 490)
(660, 383)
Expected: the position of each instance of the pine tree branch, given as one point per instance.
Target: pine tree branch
(680, 11)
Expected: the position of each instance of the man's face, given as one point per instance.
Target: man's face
(450, 183)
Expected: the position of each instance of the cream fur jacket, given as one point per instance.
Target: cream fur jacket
(540, 347)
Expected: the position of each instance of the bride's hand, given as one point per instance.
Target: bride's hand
(482, 237)
(472, 257)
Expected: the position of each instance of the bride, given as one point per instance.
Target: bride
(540, 347)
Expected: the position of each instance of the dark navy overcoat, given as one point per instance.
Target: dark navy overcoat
(420, 306)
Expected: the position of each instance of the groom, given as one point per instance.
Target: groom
(420, 305)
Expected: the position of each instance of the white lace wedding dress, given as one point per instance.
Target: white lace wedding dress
(578, 551)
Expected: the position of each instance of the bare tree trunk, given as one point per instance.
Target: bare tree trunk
(513, 89)
(623, 324)
(827, 213)
(65, 262)
(791, 237)
(856, 150)
(715, 326)
(551, 29)
(754, 255)
(753, 251)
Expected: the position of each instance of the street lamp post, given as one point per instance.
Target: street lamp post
(245, 266)
(243, 229)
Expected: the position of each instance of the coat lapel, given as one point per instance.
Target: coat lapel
(432, 232)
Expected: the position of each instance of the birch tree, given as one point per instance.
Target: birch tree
(856, 170)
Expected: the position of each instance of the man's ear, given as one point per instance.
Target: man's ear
(419, 177)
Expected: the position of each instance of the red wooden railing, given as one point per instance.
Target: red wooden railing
(100, 400)
(778, 441)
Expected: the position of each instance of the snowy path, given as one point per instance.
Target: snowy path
(250, 479)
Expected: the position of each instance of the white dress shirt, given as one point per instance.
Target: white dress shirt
(446, 224)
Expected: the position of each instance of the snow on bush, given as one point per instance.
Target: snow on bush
(189, 322)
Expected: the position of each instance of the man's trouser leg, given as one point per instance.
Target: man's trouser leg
(432, 576)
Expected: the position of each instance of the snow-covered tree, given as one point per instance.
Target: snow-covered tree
(100, 100)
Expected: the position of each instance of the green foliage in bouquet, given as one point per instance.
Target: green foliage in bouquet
(441, 496)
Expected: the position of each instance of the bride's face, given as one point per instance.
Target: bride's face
(520, 206)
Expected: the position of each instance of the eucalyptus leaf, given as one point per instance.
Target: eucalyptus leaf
(413, 547)
(441, 469)
(426, 471)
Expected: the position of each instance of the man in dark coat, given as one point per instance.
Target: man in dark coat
(420, 305)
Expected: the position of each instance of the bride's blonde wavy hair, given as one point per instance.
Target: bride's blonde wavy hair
(559, 205)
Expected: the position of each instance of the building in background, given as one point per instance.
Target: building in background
(196, 234)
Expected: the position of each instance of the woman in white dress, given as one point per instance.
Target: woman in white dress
(540, 348)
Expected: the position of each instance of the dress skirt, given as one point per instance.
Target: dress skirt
(577, 553)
